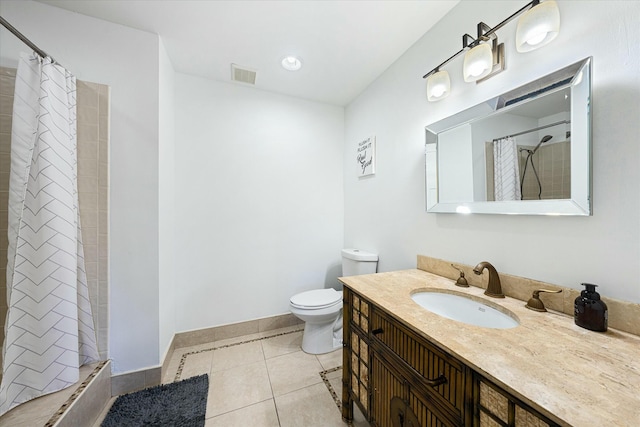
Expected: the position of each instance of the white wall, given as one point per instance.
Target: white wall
(166, 202)
(386, 213)
(127, 61)
(259, 200)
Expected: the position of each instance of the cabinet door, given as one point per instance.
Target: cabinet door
(355, 380)
(359, 384)
(427, 363)
(497, 408)
(394, 403)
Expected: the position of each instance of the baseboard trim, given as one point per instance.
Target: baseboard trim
(233, 330)
(137, 380)
(167, 357)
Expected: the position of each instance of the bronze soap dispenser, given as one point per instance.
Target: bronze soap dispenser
(590, 311)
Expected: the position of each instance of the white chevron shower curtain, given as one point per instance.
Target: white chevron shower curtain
(49, 331)
(506, 170)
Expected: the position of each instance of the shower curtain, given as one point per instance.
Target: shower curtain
(49, 331)
(506, 170)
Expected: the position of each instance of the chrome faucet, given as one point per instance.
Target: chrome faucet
(494, 288)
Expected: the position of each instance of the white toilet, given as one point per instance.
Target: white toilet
(321, 309)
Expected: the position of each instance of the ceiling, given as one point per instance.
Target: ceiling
(344, 45)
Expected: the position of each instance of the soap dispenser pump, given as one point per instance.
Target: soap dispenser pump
(590, 311)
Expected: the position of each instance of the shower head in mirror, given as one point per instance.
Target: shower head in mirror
(544, 139)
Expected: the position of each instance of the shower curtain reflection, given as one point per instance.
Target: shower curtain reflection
(506, 170)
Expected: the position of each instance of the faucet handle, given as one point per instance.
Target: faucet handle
(462, 281)
(535, 303)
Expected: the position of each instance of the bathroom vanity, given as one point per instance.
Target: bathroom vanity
(406, 366)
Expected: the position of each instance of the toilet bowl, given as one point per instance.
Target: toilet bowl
(321, 309)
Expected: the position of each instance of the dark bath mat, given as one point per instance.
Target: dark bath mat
(180, 404)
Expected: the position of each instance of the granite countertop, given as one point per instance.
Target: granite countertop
(574, 376)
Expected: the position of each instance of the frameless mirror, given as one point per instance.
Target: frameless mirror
(527, 151)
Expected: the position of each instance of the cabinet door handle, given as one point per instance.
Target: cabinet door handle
(377, 331)
(439, 380)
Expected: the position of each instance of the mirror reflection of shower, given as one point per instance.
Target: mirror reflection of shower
(529, 160)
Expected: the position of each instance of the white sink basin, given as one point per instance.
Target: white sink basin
(466, 309)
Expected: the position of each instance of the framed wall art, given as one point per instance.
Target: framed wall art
(366, 156)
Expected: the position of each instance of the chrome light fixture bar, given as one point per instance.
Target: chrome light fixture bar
(484, 57)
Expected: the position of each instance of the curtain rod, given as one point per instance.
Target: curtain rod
(534, 129)
(25, 40)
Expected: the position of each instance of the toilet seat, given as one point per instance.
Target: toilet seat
(316, 299)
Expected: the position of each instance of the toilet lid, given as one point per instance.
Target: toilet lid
(318, 298)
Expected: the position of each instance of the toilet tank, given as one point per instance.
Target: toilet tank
(356, 262)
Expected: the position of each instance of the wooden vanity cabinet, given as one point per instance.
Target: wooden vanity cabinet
(400, 379)
(497, 408)
(437, 386)
(356, 360)
(395, 376)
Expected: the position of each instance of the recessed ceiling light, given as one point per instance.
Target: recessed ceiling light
(291, 63)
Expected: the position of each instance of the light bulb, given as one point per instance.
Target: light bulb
(476, 69)
(535, 39)
(438, 91)
(478, 62)
(438, 86)
(538, 26)
(291, 63)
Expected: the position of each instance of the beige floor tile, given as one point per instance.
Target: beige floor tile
(238, 355)
(335, 375)
(172, 367)
(261, 414)
(238, 387)
(243, 384)
(197, 364)
(293, 371)
(193, 348)
(235, 340)
(283, 344)
(309, 407)
(330, 360)
(286, 329)
(336, 384)
(170, 374)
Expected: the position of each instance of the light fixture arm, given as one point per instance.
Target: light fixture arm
(435, 70)
(484, 32)
(466, 43)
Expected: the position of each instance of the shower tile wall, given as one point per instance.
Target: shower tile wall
(93, 192)
(93, 188)
(553, 163)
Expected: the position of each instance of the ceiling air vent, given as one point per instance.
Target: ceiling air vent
(242, 74)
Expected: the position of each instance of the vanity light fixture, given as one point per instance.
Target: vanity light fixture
(538, 26)
(484, 56)
(438, 85)
(291, 63)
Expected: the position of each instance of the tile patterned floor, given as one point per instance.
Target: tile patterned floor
(265, 380)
